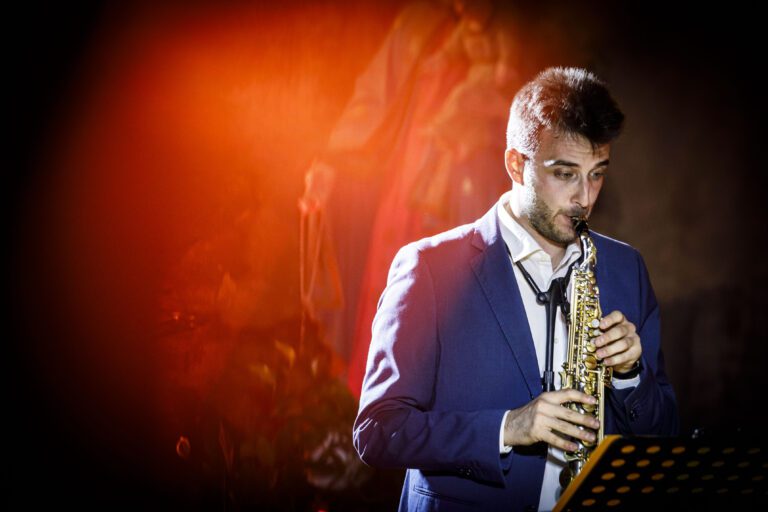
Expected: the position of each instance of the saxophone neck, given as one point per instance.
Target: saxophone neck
(588, 258)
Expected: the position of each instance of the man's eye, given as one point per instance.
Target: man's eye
(598, 175)
(565, 175)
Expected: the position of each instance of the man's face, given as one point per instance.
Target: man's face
(562, 180)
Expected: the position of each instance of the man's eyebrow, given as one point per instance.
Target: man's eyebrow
(565, 163)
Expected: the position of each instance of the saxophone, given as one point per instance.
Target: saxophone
(582, 370)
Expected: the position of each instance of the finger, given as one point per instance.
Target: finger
(563, 427)
(553, 439)
(614, 348)
(567, 395)
(550, 416)
(629, 346)
(613, 318)
(618, 361)
(616, 332)
(576, 418)
(550, 412)
(628, 357)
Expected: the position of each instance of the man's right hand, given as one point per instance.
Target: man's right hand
(545, 419)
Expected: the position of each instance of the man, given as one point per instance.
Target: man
(453, 386)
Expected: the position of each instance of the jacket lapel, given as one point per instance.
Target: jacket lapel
(496, 277)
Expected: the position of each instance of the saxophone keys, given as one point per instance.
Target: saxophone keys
(590, 362)
(595, 323)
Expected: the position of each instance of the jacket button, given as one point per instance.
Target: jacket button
(633, 414)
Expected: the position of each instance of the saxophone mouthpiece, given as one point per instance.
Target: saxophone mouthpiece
(579, 224)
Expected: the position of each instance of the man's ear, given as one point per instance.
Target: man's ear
(514, 162)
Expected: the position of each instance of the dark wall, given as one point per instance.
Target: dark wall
(687, 190)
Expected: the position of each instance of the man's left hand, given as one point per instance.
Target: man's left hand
(618, 345)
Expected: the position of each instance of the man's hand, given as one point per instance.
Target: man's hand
(619, 345)
(545, 419)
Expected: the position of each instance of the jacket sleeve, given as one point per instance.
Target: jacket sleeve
(651, 407)
(396, 426)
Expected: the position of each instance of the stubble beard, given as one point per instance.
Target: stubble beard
(542, 219)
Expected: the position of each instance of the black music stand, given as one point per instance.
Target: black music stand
(671, 473)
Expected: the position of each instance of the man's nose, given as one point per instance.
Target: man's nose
(584, 195)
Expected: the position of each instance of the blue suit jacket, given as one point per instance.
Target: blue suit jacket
(452, 351)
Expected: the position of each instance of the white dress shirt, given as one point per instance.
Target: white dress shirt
(524, 248)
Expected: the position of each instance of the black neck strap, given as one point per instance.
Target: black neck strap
(544, 298)
(553, 298)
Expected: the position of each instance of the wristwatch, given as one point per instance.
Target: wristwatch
(630, 374)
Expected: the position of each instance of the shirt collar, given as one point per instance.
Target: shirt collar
(521, 244)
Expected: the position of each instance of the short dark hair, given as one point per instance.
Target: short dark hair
(572, 101)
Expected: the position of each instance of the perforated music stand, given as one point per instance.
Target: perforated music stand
(661, 473)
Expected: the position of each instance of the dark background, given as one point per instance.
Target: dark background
(687, 189)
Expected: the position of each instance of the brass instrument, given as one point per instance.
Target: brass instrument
(582, 370)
